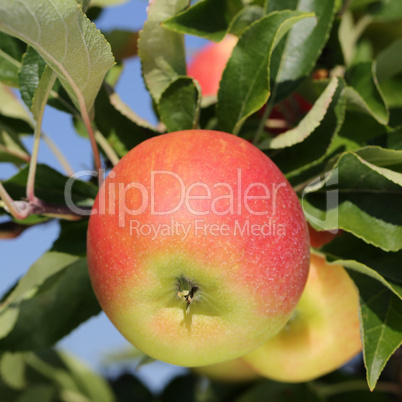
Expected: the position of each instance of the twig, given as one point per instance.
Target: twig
(107, 148)
(60, 157)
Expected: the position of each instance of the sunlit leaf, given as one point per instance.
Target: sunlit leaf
(161, 51)
(62, 35)
(179, 105)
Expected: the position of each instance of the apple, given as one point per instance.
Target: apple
(323, 333)
(207, 67)
(320, 238)
(229, 371)
(198, 249)
(208, 64)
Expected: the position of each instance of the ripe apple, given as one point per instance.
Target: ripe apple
(236, 370)
(198, 249)
(323, 333)
(208, 64)
(320, 238)
(207, 68)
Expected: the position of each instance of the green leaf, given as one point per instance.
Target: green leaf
(296, 55)
(118, 123)
(42, 93)
(161, 51)
(358, 196)
(50, 186)
(244, 88)
(245, 18)
(364, 93)
(28, 284)
(385, 11)
(275, 391)
(389, 158)
(72, 237)
(12, 370)
(91, 385)
(105, 3)
(11, 51)
(381, 319)
(31, 70)
(11, 107)
(179, 106)
(11, 148)
(359, 128)
(315, 146)
(123, 42)
(389, 61)
(55, 283)
(61, 34)
(308, 124)
(209, 19)
(43, 393)
(353, 253)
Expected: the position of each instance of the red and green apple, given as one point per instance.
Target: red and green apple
(198, 249)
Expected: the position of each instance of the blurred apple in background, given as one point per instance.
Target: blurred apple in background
(323, 333)
(236, 370)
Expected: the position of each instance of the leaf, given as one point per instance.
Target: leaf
(315, 146)
(359, 128)
(55, 283)
(276, 391)
(161, 51)
(296, 55)
(91, 385)
(105, 3)
(11, 51)
(72, 238)
(123, 43)
(382, 157)
(61, 34)
(381, 319)
(11, 148)
(353, 253)
(118, 123)
(43, 393)
(385, 11)
(308, 124)
(11, 107)
(209, 19)
(31, 70)
(364, 92)
(34, 278)
(244, 87)
(389, 61)
(244, 19)
(12, 370)
(357, 196)
(50, 186)
(179, 106)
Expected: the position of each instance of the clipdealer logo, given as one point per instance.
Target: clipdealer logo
(240, 199)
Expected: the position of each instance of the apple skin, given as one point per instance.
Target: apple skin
(322, 335)
(228, 372)
(208, 64)
(247, 284)
(321, 238)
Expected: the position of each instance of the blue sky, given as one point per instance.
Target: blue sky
(96, 338)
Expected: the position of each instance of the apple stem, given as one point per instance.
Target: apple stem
(186, 290)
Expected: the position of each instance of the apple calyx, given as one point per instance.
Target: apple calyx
(186, 290)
